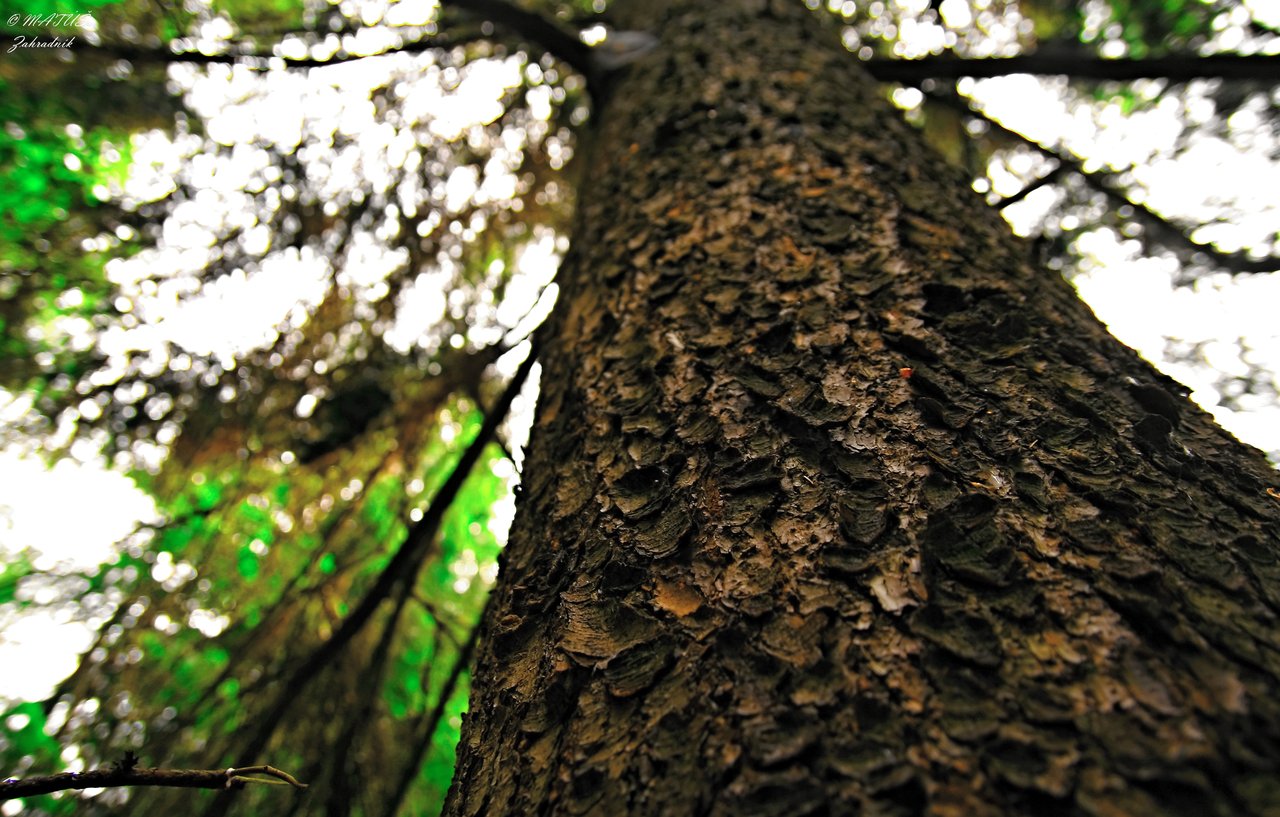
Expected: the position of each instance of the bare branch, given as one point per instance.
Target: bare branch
(563, 43)
(535, 28)
(259, 61)
(1162, 229)
(1178, 68)
(126, 774)
(1033, 186)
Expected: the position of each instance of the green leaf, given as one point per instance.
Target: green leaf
(229, 689)
(207, 494)
(247, 563)
(11, 574)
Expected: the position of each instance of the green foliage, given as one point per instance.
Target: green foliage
(24, 730)
(1141, 27)
(247, 563)
(47, 168)
(1148, 28)
(255, 15)
(382, 508)
(437, 770)
(24, 733)
(52, 292)
(11, 574)
(256, 562)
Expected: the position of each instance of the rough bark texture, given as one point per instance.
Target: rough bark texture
(761, 568)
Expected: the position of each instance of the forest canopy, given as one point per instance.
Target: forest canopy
(280, 266)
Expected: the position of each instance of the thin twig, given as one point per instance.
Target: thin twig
(234, 775)
(1032, 186)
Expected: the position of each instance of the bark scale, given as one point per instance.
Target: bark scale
(836, 505)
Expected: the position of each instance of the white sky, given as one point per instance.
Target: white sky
(70, 516)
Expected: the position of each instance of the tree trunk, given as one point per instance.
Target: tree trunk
(836, 505)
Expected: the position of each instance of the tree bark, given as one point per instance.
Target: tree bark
(836, 505)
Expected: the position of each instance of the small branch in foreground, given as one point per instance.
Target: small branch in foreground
(126, 774)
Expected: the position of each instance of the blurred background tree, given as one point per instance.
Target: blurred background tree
(279, 264)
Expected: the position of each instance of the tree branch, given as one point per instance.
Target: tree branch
(418, 539)
(257, 61)
(402, 567)
(1163, 229)
(549, 36)
(126, 774)
(1033, 186)
(1178, 68)
(429, 723)
(535, 28)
